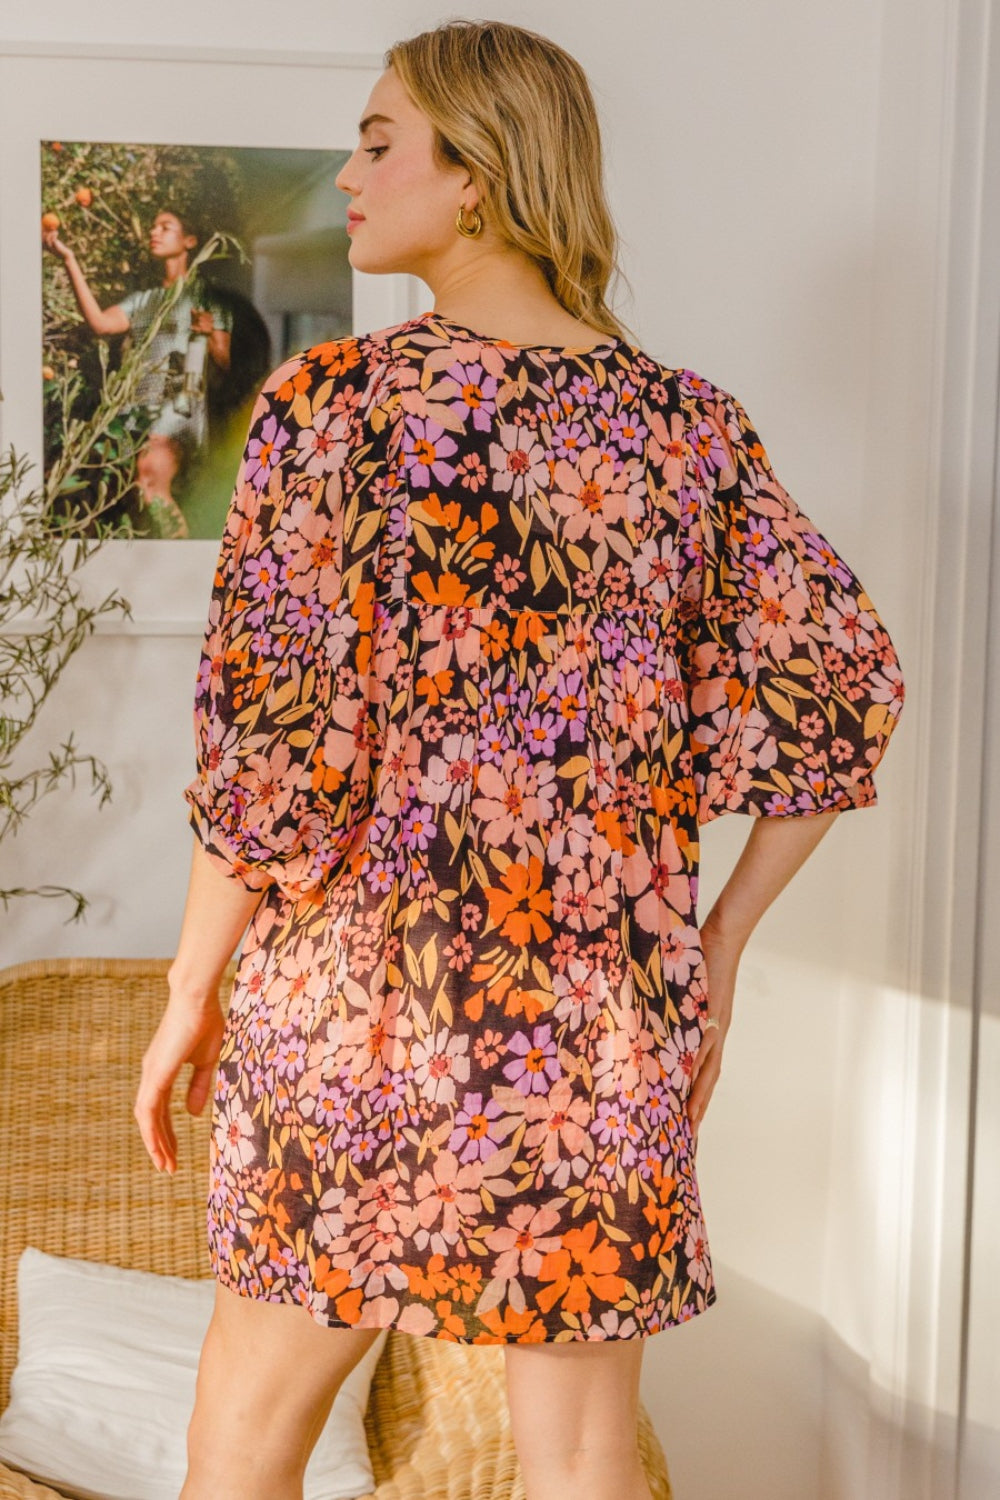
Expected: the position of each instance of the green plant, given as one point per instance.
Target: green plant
(48, 532)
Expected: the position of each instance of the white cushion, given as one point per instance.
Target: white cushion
(104, 1385)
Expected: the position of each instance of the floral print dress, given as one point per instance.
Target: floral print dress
(494, 630)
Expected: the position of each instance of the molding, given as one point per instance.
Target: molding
(234, 56)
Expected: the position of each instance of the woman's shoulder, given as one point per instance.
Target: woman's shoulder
(352, 368)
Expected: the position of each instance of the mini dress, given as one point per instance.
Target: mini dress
(494, 630)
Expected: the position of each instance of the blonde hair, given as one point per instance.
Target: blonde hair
(517, 112)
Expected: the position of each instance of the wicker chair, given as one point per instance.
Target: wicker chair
(75, 1180)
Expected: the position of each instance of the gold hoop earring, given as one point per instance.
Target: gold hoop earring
(463, 228)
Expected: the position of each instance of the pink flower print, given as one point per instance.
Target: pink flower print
(668, 446)
(266, 776)
(291, 1058)
(568, 439)
(583, 389)
(779, 805)
(261, 575)
(235, 1136)
(518, 462)
(779, 624)
(592, 497)
(488, 1048)
(708, 449)
(613, 1325)
(447, 1193)
(500, 804)
(811, 726)
(887, 688)
(322, 447)
(471, 1136)
(303, 615)
(841, 750)
(389, 1094)
(475, 395)
(850, 626)
(680, 954)
(520, 1242)
(448, 776)
(758, 537)
(580, 992)
(696, 1251)
(385, 1198)
(586, 898)
(438, 1062)
(656, 566)
(264, 453)
(363, 1145)
(472, 473)
(570, 700)
(611, 1126)
(557, 1127)
(535, 1064)
(627, 433)
(541, 730)
(418, 828)
(819, 551)
(425, 449)
(678, 1059)
(222, 757)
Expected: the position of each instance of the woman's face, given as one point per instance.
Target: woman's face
(403, 203)
(167, 237)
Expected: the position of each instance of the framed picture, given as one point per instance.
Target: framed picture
(129, 166)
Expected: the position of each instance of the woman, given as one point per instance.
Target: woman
(173, 388)
(505, 608)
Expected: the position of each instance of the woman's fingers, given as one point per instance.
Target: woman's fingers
(199, 1088)
(704, 1077)
(152, 1114)
(184, 1035)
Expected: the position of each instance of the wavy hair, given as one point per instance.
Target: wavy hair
(517, 112)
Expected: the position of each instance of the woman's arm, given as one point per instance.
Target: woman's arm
(776, 848)
(219, 339)
(216, 914)
(101, 321)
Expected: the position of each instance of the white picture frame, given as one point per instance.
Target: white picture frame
(177, 96)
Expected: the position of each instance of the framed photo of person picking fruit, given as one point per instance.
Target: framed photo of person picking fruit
(173, 255)
(123, 226)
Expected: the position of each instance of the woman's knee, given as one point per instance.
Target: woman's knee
(574, 1405)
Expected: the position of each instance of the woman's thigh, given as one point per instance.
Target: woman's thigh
(267, 1377)
(574, 1405)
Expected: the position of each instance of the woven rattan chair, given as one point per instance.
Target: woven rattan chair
(75, 1180)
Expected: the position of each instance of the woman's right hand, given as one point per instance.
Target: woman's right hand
(190, 1031)
(51, 241)
(722, 957)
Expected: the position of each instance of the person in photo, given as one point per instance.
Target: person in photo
(173, 389)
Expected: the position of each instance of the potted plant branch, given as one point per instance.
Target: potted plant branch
(49, 530)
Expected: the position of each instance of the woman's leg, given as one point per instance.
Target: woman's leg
(267, 1378)
(574, 1412)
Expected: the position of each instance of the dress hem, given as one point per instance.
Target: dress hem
(449, 1338)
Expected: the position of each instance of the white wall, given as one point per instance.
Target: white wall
(777, 171)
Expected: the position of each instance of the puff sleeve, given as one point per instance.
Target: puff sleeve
(281, 702)
(794, 685)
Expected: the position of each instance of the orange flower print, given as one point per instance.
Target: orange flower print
(520, 905)
(585, 1268)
